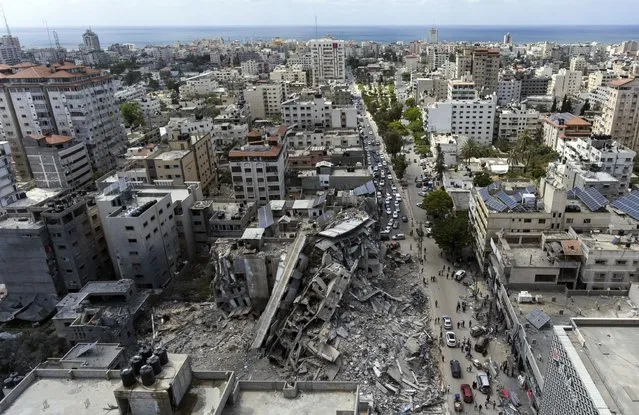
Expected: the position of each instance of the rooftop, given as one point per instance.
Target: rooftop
(607, 350)
(255, 150)
(607, 242)
(93, 355)
(172, 155)
(567, 119)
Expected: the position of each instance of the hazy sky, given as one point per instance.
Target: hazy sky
(60, 13)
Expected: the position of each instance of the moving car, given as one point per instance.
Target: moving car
(466, 393)
(420, 205)
(395, 215)
(455, 369)
(448, 322)
(399, 236)
(460, 274)
(395, 224)
(388, 211)
(404, 219)
(451, 339)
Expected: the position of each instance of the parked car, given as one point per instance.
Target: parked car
(455, 369)
(451, 339)
(460, 274)
(483, 383)
(404, 219)
(466, 393)
(448, 322)
(395, 215)
(399, 236)
(477, 331)
(395, 224)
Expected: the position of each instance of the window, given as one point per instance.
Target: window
(569, 220)
(601, 261)
(133, 252)
(132, 240)
(527, 220)
(621, 262)
(544, 278)
(542, 220)
(586, 220)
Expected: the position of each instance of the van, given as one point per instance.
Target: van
(482, 345)
(483, 384)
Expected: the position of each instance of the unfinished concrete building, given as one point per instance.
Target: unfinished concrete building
(213, 219)
(101, 311)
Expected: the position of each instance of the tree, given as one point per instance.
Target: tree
(416, 126)
(452, 234)
(553, 108)
(406, 76)
(398, 126)
(470, 149)
(585, 107)
(393, 142)
(412, 114)
(438, 203)
(400, 165)
(503, 145)
(439, 162)
(132, 114)
(132, 77)
(410, 102)
(482, 179)
(566, 104)
(153, 84)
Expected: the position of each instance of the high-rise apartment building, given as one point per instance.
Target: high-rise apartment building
(485, 70)
(328, 60)
(317, 112)
(68, 100)
(565, 83)
(620, 113)
(91, 40)
(264, 99)
(58, 161)
(10, 52)
(8, 189)
(472, 118)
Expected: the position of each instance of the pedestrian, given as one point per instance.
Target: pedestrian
(494, 404)
(448, 389)
(470, 323)
(475, 406)
(443, 358)
(458, 325)
(480, 407)
(435, 303)
(424, 280)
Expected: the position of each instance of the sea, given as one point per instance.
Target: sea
(71, 37)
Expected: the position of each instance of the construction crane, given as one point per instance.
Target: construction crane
(4, 16)
(57, 40)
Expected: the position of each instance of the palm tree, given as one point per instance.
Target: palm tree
(469, 149)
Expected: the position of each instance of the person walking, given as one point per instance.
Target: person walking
(435, 303)
(480, 407)
(448, 389)
(443, 358)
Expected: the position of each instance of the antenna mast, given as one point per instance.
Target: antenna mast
(4, 16)
(55, 51)
(315, 26)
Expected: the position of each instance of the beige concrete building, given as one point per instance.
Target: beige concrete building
(563, 127)
(515, 120)
(620, 113)
(485, 70)
(264, 99)
(565, 83)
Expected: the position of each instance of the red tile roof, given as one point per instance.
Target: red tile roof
(53, 139)
(620, 82)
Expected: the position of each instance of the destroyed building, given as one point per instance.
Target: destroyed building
(219, 218)
(102, 311)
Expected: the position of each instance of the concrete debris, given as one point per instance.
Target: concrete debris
(412, 346)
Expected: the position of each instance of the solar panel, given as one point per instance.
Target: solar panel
(531, 189)
(572, 193)
(494, 186)
(592, 198)
(495, 204)
(483, 192)
(629, 204)
(517, 197)
(508, 201)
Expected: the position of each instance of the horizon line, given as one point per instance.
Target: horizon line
(337, 25)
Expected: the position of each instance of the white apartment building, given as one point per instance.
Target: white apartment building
(448, 145)
(326, 138)
(150, 107)
(188, 125)
(609, 261)
(225, 74)
(508, 91)
(620, 113)
(328, 60)
(304, 60)
(200, 85)
(148, 229)
(514, 120)
(258, 171)
(461, 90)
(411, 62)
(8, 189)
(448, 70)
(471, 118)
(264, 99)
(66, 100)
(58, 161)
(566, 82)
(434, 87)
(599, 78)
(603, 153)
(251, 67)
(227, 134)
(519, 209)
(291, 73)
(317, 112)
(130, 93)
(578, 63)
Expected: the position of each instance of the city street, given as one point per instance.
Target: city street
(444, 293)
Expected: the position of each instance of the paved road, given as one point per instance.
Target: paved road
(445, 293)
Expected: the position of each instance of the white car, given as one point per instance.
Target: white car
(397, 203)
(388, 211)
(451, 339)
(447, 322)
(399, 236)
(395, 215)
(390, 177)
(459, 275)
(394, 188)
(382, 183)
